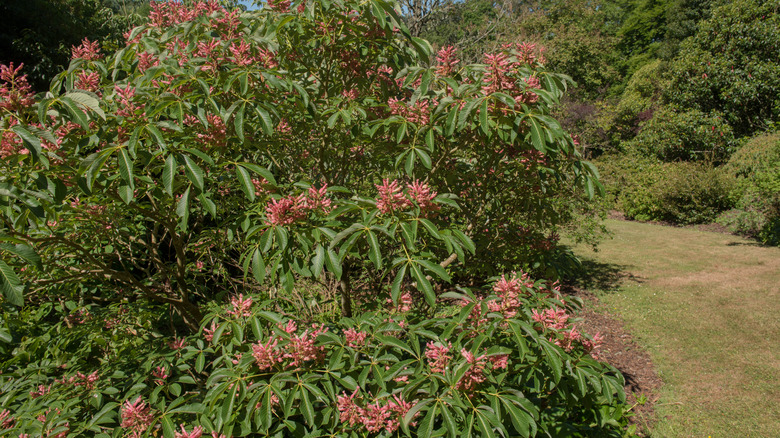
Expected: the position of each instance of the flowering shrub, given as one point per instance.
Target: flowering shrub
(229, 150)
(227, 156)
(507, 361)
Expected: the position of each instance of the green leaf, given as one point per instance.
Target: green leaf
(451, 123)
(484, 425)
(395, 290)
(105, 415)
(553, 358)
(449, 421)
(11, 285)
(76, 112)
(318, 261)
(426, 425)
(521, 420)
(306, 407)
(169, 430)
(466, 240)
(183, 208)
(262, 171)
(258, 266)
(374, 254)
(333, 263)
(395, 342)
(246, 182)
(238, 121)
(157, 135)
(126, 193)
(169, 171)
(436, 269)
(423, 285)
(193, 172)
(409, 236)
(208, 204)
(126, 167)
(265, 120)
(484, 122)
(537, 134)
(31, 142)
(88, 101)
(424, 157)
(431, 228)
(25, 252)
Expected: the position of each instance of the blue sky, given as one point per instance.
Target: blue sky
(248, 3)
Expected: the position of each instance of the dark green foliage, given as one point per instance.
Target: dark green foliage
(732, 66)
(673, 134)
(756, 166)
(40, 33)
(647, 189)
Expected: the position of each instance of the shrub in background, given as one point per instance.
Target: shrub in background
(673, 134)
(645, 188)
(756, 168)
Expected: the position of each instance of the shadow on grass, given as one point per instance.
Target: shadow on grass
(606, 277)
(748, 243)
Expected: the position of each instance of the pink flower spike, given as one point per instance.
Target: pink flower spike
(241, 306)
(196, 432)
(447, 61)
(391, 198)
(422, 194)
(88, 50)
(136, 416)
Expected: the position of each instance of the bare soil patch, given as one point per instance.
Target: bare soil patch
(621, 351)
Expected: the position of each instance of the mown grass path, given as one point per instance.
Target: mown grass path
(707, 308)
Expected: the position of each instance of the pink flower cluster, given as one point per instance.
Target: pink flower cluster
(301, 348)
(40, 392)
(197, 432)
(392, 199)
(241, 306)
(279, 5)
(422, 194)
(551, 318)
(88, 81)
(476, 372)
(499, 361)
(88, 50)
(508, 292)
(137, 417)
(405, 302)
(288, 210)
(446, 60)
(503, 70)
(10, 143)
(15, 93)
(169, 13)
(420, 113)
(438, 356)
(125, 106)
(355, 339)
(376, 416)
(6, 420)
(160, 374)
(79, 379)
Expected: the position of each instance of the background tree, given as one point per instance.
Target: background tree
(41, 33)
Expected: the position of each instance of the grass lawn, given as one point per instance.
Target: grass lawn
(707, 308)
